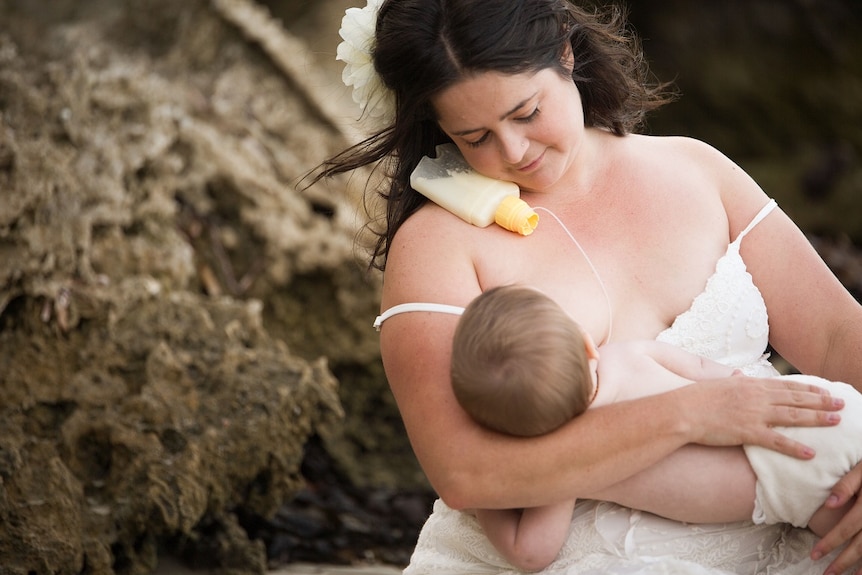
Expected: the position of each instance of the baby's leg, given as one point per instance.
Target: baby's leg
(824, 519)
(696, 484)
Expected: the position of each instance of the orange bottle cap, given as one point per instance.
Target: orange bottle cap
(516, 215)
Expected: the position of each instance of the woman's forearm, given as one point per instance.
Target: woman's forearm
(471, 467)
(601, 448)
(610, 444)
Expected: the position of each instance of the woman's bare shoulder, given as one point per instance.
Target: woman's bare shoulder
(428, 246)
(431, 235)
(702, 167)
(675, 148)
(740, 195)
(677, 172)
(426, 219)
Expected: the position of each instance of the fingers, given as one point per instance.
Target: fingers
(801, 405)
(783, 444)
(847, 487)
(806, 395)
(848, 529)
(843, 531)
(795, 385)
(747, 411)
(792, 416)
(799, 417)
(796, 404)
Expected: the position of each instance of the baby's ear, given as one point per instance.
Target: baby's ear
(590, 347)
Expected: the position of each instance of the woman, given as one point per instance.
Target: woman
(546, 95)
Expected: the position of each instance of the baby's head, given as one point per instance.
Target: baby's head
(520, 363)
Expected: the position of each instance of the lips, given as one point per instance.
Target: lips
(531, 165)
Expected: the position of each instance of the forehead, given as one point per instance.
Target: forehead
(486, 95)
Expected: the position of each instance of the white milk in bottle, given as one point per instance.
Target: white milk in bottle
(451, 183)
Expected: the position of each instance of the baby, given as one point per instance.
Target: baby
(522, 366)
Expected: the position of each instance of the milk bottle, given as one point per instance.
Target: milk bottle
(451, 183)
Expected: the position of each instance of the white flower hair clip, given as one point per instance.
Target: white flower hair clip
(375, 100)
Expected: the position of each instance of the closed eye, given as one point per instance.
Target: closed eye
(480, 141)
(524, 120)
(533, 115)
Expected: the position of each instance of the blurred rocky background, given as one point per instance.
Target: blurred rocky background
(187, 366)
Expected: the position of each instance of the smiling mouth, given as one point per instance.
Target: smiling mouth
(531, 165)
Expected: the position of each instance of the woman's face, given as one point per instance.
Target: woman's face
(525, 128)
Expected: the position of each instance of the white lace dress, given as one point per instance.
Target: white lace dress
(727, 323)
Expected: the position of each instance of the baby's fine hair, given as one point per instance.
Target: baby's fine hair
(519, 363)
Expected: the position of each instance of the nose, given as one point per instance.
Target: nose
(513, 145)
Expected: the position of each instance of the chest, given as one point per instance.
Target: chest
(635, 264)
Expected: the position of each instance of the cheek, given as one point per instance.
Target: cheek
(481, 158)
(562, 135)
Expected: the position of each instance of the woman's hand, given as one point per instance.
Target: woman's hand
(742, 410)
(848, 529)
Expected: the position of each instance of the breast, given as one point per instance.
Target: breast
(728, 321)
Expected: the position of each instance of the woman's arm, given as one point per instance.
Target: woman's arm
(815, 324)
(531, 538)
(471, 467)
(828, 345)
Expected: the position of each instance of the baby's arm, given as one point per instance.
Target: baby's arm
(639, 368)
(531, 538)
(685, 364)
(720, 491)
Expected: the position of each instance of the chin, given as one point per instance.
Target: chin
(537, 185)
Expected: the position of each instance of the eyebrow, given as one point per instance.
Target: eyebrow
(517, 107)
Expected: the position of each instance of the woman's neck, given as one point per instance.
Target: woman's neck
(589, 165)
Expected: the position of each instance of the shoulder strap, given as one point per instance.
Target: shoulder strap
(764, 211)
(419, 306)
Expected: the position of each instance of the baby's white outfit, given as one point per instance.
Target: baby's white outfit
(790, 490)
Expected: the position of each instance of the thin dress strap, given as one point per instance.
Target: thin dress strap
(764, 211)
(419, 306)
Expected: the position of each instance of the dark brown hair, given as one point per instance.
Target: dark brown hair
(424, 46)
